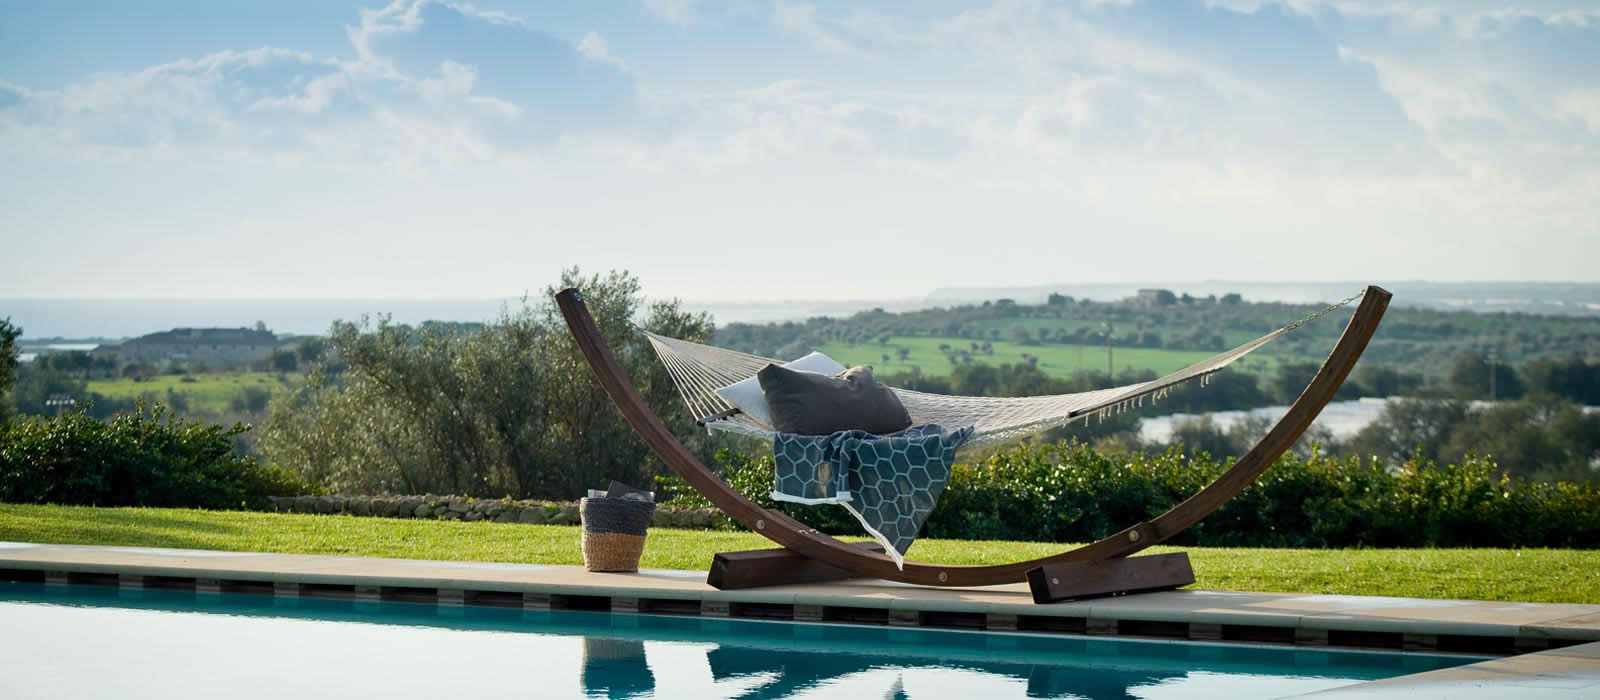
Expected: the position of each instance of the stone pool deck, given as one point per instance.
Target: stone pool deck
(1572, 672)
(1566, 637)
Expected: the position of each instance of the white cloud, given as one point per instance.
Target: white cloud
(400, 16)
(1087, 132)
(1580, 104)
(319, 94)
(801, 19)
(1359, 92)
(277, 103)
(680, 12)
(1498, 92)
(593, 47)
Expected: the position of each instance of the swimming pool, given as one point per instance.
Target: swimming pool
(101, 641)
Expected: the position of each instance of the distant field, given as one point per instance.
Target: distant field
(1055, 359)
(208, 392)
(1231, 337)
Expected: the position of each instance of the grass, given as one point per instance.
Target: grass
(1532, 575)
(208, 392)
(1055, 359)
(1232, 337)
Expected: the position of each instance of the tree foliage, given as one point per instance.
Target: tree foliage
(507, 408)
(1569, 376)
(1201, 435)
(9, 354)
(1540, 437)
(1470, 378)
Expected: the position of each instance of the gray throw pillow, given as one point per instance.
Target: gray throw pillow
(807, 403)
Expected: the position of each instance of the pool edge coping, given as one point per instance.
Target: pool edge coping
(1282, 619)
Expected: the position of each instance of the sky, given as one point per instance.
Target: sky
(783, 149)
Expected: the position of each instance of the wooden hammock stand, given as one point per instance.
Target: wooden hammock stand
(1099, 568)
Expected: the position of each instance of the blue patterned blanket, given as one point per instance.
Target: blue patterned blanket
(888, 482)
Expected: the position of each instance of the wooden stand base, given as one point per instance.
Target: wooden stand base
(1053, 583)
(774, 567)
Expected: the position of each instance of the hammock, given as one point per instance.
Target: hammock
(699, 370)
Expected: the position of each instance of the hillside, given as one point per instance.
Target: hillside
(1069, 336)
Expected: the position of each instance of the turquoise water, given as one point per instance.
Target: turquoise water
(102, 642)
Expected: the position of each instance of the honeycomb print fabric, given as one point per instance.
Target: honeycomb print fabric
(888, 482)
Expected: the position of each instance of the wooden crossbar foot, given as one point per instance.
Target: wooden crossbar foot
(756, 568)
(1053, 583)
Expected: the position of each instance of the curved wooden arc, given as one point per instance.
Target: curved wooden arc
(795, 535)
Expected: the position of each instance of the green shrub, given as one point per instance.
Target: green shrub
(146, 457)
(1067, 492)
(752, 477)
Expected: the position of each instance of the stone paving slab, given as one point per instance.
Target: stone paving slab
(1312, 617)
(1571, 672)
(1575, 627)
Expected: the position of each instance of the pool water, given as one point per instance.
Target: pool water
(103, 642)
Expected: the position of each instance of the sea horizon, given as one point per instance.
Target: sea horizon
(44, 319)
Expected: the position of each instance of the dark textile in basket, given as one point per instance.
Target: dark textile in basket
(619, 515)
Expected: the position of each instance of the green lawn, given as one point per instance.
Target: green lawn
(208, 392)
(1055, 359)
(1232, 337)
(1535, 575)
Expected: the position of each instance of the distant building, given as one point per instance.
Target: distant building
(1156, 297)
(212, 346)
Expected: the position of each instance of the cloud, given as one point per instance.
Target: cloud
(319, 94)
(1496, 91)
(1217, 136)
(554, 85)
(594, 47)
(680, 12)
(212, 99)
(1387, 92)
(10, 95)
(417, 65)
(795, 117)
(850, 35)
(1162, 80)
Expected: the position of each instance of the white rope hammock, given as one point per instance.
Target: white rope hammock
(699, 370)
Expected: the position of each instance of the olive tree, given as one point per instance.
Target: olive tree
(508, 408)
(9, 353)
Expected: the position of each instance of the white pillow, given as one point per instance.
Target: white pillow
(746, 393)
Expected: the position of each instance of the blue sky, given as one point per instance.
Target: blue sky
(789, 149)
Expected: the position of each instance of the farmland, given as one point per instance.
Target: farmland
(210, 392)
(1056, 360)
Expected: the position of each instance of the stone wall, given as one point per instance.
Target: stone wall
(431, 507)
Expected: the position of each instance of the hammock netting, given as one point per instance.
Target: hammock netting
(699, 370)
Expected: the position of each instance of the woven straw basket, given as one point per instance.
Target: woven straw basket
(613, 532)
(615, 668)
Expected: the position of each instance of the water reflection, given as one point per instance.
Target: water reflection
(615, 668)
(88, 632)
(618, 668)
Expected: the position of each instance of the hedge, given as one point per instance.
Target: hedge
(1067, 492)
(146, 457)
